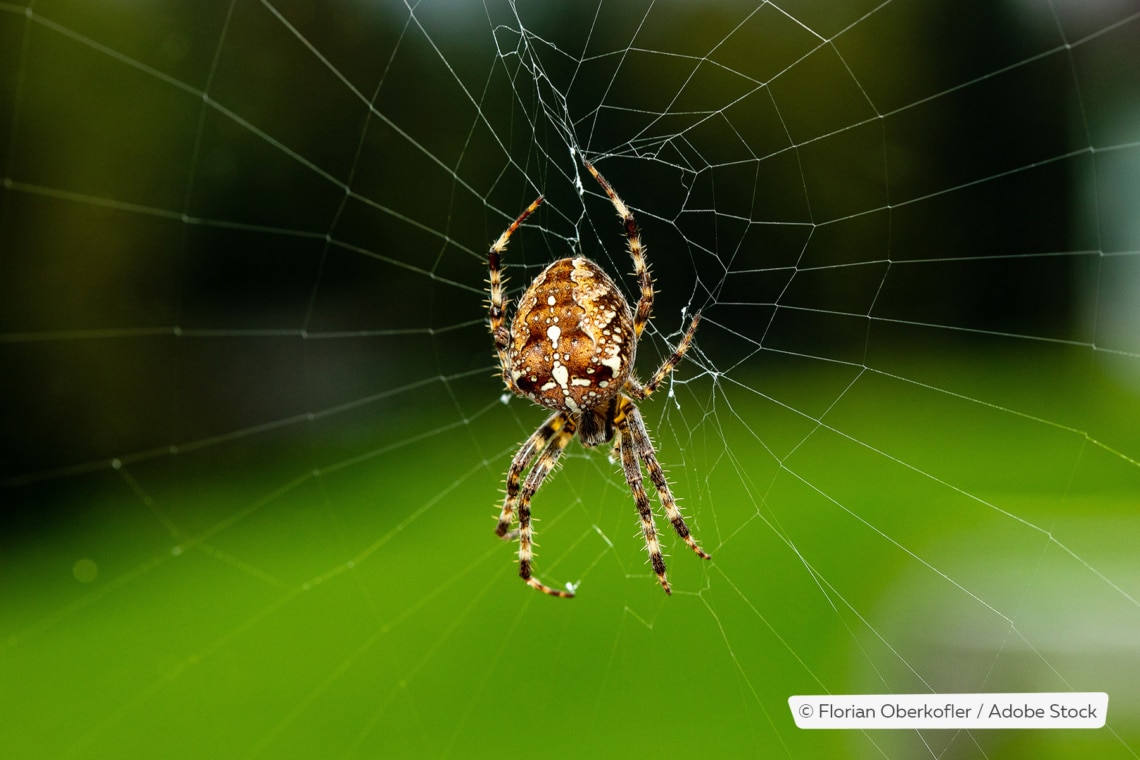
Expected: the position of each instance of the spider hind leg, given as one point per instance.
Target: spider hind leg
(636, 251)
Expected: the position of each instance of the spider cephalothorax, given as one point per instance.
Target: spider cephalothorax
(571, 348)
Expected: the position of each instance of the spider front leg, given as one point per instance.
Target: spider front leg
(523, 459)
(632, 468)
(644, 449)
(551, 452)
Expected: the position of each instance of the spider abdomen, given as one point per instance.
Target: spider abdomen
(572, 340)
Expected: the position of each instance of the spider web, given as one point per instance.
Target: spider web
(253, 434)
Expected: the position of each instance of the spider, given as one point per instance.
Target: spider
(571, 348)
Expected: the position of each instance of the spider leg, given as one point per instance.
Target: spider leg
(546, 462)
(523, 459)
(639, 391)
(632, 468)
(615, 451)
(636, 250)
(498, 303)
(644, 448)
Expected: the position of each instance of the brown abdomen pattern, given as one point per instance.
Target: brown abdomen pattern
(572, 340)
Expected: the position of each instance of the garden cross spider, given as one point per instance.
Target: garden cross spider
(571, 348)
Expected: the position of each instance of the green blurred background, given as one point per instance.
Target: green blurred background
(253, 440)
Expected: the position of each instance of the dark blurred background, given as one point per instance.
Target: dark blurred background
(195, 195)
